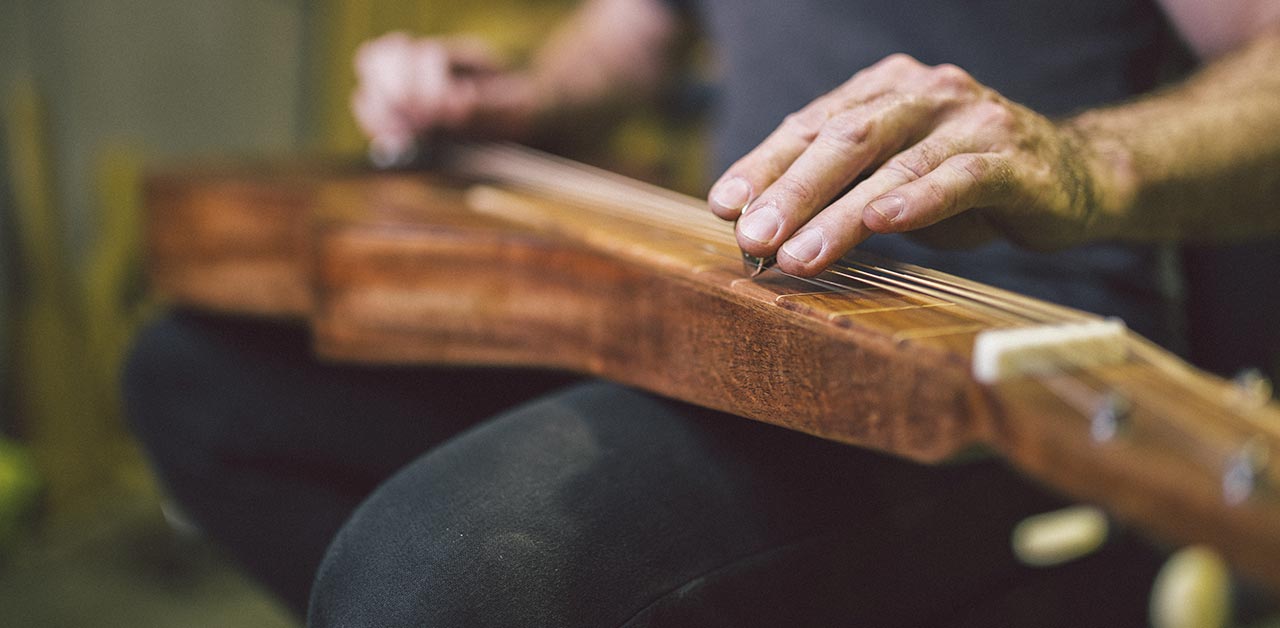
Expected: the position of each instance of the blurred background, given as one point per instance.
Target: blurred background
(93, 95)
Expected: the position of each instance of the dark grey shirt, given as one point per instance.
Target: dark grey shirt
(1055, 57)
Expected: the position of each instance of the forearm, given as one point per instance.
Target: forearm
(608, 51)
(1198, 161)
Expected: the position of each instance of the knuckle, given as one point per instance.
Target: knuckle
(936, 194)
(951, 76)
(975, 167)
(995, 115)
(794, 191)
(912, 164)
(805, 123)
(899, 61)
(848, 128)
(995, 175)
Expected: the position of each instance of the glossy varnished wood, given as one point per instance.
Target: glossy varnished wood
(402, 268)
(232, 238)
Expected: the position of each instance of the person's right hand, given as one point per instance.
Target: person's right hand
(409, 87)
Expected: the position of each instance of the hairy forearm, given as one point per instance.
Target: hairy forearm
(1199, 161)
(607, 51)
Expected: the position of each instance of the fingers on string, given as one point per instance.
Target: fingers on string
(957, 168)
(767, 162)
(831, 233)
(837, 229)
(962, 182)
(847, 144)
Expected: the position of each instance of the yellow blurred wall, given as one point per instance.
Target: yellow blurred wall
(91, 92)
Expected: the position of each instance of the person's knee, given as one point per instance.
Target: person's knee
(577, 510)
(500, 527)
(158, 384)
(398, 565)
(183, 389)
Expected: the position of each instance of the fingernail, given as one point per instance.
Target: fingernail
(805, 246)
(732, 194)
(761, 225)
(889, 207)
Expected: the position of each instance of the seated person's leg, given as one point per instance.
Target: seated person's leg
(270, 450)
(601, 506)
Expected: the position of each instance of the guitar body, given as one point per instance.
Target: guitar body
(424, 268)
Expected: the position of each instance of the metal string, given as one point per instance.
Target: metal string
(616, 196)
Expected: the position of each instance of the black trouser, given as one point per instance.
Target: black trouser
(593, 505)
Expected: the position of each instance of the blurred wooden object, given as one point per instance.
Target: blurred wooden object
(401, 268)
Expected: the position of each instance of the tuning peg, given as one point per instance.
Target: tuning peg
(1244, 470)
(1252, 388)
(1192, 590)
(1060, 536)
(1111, 417)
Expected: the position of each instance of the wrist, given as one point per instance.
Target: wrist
(508, 106)
(1108, 163)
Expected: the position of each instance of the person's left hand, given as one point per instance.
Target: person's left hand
(941, 145)
(407, 87)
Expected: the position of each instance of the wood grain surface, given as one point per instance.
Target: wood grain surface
(425, 268)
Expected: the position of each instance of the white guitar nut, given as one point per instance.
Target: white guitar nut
(1000, 354)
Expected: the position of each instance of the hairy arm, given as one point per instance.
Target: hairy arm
(608, 49)
(605, 51)
(1197, 161)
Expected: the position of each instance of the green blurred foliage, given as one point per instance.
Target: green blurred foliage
(19, 489)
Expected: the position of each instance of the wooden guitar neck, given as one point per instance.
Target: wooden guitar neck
(549, 264)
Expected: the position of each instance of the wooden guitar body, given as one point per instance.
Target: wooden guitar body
(425, 268)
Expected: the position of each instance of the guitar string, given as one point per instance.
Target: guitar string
(990, 312)
(665, 213)
(671, 212)
(676, 212)
(672, 221)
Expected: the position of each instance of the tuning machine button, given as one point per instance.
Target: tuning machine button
(1111, 418)
(1252, 388)
(1244, 471)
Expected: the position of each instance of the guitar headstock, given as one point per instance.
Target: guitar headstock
(1188, 457)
